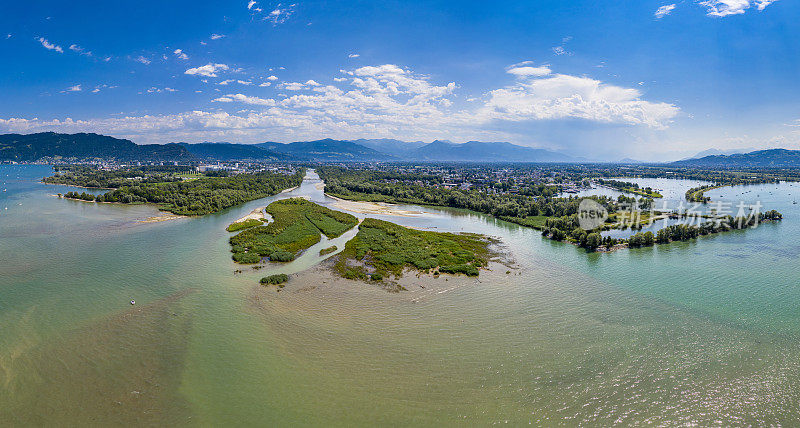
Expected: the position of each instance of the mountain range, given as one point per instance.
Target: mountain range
(32, 147)
(84, 146)
(773, 158)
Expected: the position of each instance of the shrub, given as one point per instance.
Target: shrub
(239, 225)
(281, 256)
(276, 279)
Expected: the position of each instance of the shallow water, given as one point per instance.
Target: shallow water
(701, 332)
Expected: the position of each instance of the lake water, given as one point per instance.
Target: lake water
(703, 332)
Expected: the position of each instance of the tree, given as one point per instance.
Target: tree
(593, 240)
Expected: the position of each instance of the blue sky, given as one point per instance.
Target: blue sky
(601, 79)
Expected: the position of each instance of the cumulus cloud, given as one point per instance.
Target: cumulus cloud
(246, 100)
(49, 46)
(563, 96)
(180, 54)
(383, 100)
(664, 10)
(723, 8)
(76, 88)
(528, 70)
(208, 70)
(216, 36)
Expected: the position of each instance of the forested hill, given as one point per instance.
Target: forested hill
(328, 150)
(32, 147)
(774, 158)
(227, 151)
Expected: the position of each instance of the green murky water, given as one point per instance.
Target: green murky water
(704, 332)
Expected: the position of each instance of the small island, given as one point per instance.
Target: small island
(382, 249)
(297, 225)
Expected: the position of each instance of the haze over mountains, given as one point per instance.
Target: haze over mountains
(32, 147)
(53, 146)
(773, 158)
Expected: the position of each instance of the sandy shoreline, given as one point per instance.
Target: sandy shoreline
(256, 214)
(379, 208)
(412, 287)
(164, 216)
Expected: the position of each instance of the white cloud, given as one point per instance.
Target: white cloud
(273, 78)
(280, 14)
(208, 70)
(723, 8)
(563, 96)
(559, 50)
(76, 88)
(353, 55)
(265, 84)
(142, 59)
(382, 101)
(664, 10)
(180, 54)
(159, 90)
(216, 36)
(50, 46)
(80, 50)
(250, 4)
(762, 4)
(527, 71)
(246, 100)
(293, 86)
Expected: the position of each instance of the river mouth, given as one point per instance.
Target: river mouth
(685, 333)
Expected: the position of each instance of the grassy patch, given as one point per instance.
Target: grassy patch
(381, 249)
(328, 250)
(534, 221)
(297, 225)
(241, 225)
(277, 279)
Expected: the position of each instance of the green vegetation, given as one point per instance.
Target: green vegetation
(82, 196)
(277, 279)
(86, 176)
(529, 194)
(381, 249)
(624, 186)
(160, 185)
(297, 225)
(328, 250)
(246, 224)
(697, 194)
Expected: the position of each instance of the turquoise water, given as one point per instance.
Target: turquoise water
(704, 332)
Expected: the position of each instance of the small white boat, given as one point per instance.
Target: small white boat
(133, 302)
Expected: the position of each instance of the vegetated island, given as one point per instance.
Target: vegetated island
(624, 186)
(382, 249)
(296, 225)
(278, 279)
(175, 189)
(326, 251)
